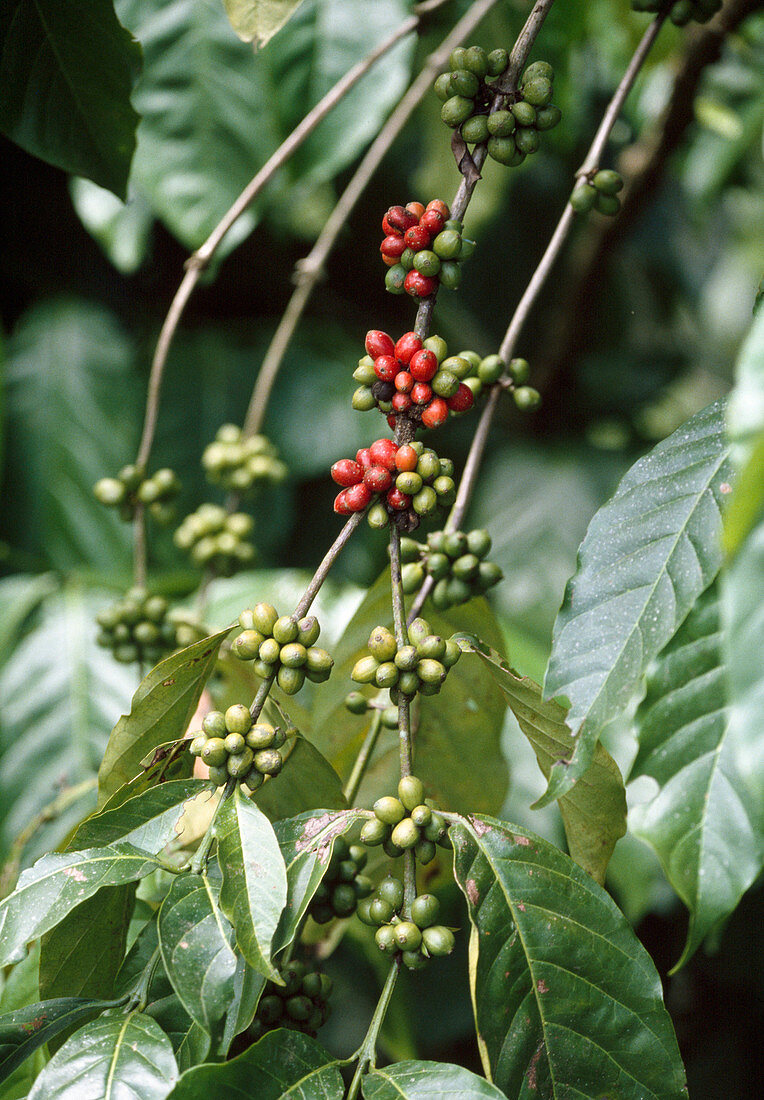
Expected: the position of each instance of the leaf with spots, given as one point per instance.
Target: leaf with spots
(567, 1001)
(254, 890)
(646, 557)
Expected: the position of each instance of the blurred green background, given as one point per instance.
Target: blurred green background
(637, 329)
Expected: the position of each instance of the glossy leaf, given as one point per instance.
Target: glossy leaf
(195, 939)
(427, 1081)
(258, 20)
(56, 884)
(66, 74)
(147, 821)
(163, 705)
(647, 556)
(284, 1065)
(594, 811)
(254, 888)
(306, 844)
(308, 782)
(69, 362)
(107, 1057)
(190, 1042)
(567, 1001)
(704, 823)
(26, 1029)
(54, 737)
(248, 986)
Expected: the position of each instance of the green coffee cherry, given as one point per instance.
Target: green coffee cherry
(456, 110)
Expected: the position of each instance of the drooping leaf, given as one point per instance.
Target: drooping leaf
(69, 362)
(162, 707)
(306, 844)
(122, 229)
(284, 1065)
(309, 783)
(703, 823)
(248, 986)
(147, 821)
(106, 1057)
(195, 939)
(647, 556)
(26, 1029)
(254, 888)
(190, 1042)
(53, 738)
(258, 20)
(66, 73)
(594, 811)
(567, 1001)
(56, 884)
(19, 596)
(426, 1081)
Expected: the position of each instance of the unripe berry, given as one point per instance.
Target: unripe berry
(410, 791)
(389, 810)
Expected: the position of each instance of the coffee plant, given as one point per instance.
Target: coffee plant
(293, 860)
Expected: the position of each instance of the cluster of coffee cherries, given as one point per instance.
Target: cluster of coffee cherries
(131, 487)
(423, 247)
(417, 939)
(455, 561)
(235, 747)
(598, 193)
(282, 646)
(409, 482)
(217, 539)
(343, 885)
(406, 822)
(137, 628)
(300, 1004)
(511, 132)
(681, 11)
(241, 463)
(409, 377)
(421, 666)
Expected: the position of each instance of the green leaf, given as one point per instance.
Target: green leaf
(122, 229)
(745, 408)
(254, 889)
(69, 362)
(258, 20)
(19, 596)
(647, 556)
(426, 1081)
(567, 1001)
(284, 1065)
(306, 844)
(594, 811)
(54, 736)
(248, 986)
(66, 73)
(82, 954)
(147, 821)
(195, 939)
(104, 1056)
(26, 1029)
(703, 823)
(163, 705)
(56, 884)
(308, 782)
(190, 1042)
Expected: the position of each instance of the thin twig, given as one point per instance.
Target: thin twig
(367, 1052)
(363, 758)
(328, 561)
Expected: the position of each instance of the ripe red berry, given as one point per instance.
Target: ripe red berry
(424, 365)
(462, 400)
(389, 261)
(435, 414)
(378, 343)
(390, 230)
(346, 472)
(407, 346)
(392, 247)
(400, 218)
(392, 422)
(358, 497)
(403, 381)
(415, 208)
(419, 286)
(398, 500)
(440, 206)
(417, 237)
(383, 453)
(401, 402)
(378, 479)
(433, 221)
(421, 393)
(363, 458)
(341, 506)
(406, 459)
(386, 367)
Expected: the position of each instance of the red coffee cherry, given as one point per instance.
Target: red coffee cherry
(403, 381)
(386, 367)
(363, 458)
(390, 230)
(397, 500)
(435, 414)
(358, 497)
(392, 422)
(346, 472)
(419, 286)
(440, 206)
(417, 237)
(378, 479)
(401, 402)
(341, 506)
(462, 400)
(433, 221)
(400, 218)
(423, 365)
(415, 208)
(421, 394)
(407, 346)
(406, 459)
(383, 453)
(392, 247)
(378, 343)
